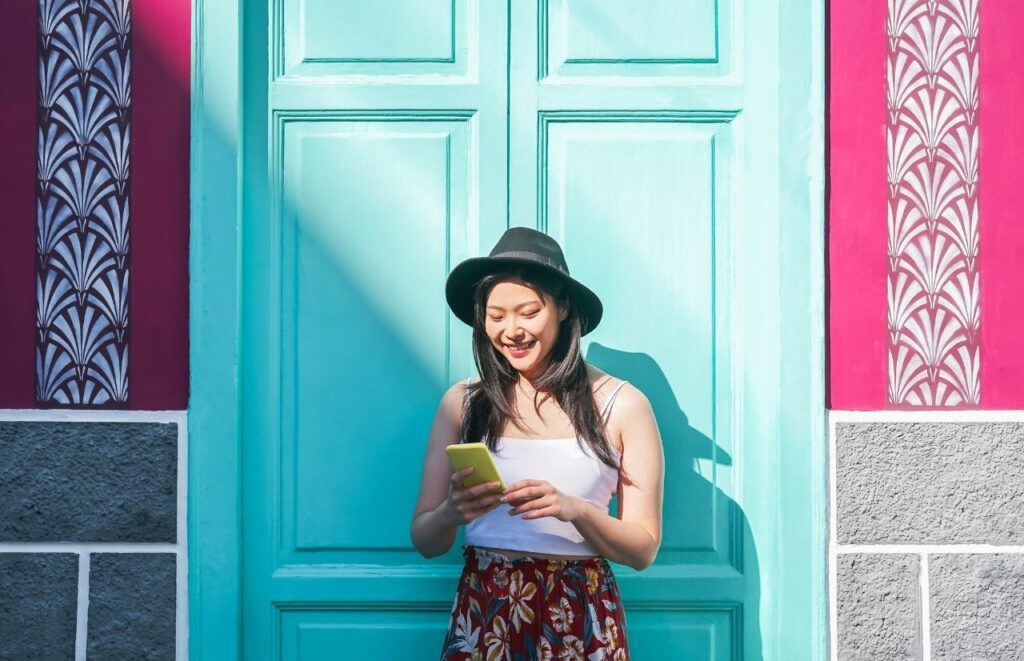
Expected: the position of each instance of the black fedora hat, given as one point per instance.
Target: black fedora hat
(519, 245)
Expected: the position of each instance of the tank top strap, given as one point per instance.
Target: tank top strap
(611, 398)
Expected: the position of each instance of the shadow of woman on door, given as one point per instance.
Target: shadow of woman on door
(711, 602)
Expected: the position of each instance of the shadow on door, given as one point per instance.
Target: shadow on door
(702, 524)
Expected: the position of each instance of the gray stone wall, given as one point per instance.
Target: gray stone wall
(88, 540)
(879, 606)
(928, 540)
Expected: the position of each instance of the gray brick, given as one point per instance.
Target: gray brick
(131, 606)
(937, 483)
(38, 606)
(88, 482)
(879, 607)
(977, 606)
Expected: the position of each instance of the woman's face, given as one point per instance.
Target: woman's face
(522, 325)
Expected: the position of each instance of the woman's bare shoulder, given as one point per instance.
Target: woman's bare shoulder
(453, 398)
(602, 382)
(448, 418)
(633, 416)
(632, 399)
(456, 390)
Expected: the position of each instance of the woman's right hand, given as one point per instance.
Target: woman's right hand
(465, 504)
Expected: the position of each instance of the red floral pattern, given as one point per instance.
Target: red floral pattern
(533, 608)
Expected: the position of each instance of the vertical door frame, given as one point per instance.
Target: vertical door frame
(796, 583)
(214, 471)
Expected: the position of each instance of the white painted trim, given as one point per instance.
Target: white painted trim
(963, 415)
(181, 560)
(77, 415)
(926, 618)
(84, 549)
(82, 615)
(87, 547)
(833, 570)
(929, 548)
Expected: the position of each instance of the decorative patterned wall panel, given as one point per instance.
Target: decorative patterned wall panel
(83, 207)
(932, 141)
(925, 246)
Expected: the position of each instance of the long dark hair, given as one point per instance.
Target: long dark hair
(491, 399)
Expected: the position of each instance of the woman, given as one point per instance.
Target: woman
(536, 581)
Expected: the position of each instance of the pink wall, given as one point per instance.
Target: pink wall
(159, 205)
(17, 213)
(856, 218)
(160, 155)
(861, 341)
(1002, 204)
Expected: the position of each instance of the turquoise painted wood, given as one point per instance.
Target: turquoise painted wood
(213, 533)
(674, 150)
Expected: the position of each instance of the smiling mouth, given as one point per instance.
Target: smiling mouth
(521, 347)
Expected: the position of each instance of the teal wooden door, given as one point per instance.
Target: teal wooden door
(670, 147)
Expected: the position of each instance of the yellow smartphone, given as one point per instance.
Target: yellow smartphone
(479, 457)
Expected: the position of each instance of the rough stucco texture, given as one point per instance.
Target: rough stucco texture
(977, 606)
(879, 607)
(131, 606)
(930, 483)
(38, 605)
(88, 482)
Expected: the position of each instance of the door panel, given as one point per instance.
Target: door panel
(654, 39)
(345, 303)
(360, 633)
(633, 109)
(383, 153)
(387, 141)
(324, 38)
(644, 194)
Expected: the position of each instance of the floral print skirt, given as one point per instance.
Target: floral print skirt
(533, 608)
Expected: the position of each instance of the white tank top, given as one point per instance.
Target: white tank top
(565, 465)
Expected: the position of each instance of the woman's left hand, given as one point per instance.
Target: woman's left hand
(536, 498)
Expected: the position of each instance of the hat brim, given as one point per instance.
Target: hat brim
(463, 278)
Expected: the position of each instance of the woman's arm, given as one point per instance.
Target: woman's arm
(632, 539)
(432, 532)
(443, 505)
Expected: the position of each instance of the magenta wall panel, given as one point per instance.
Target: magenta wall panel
(1002, 204)
(857, 192)
(924, 187)
(94, 122)
(160, 151)
(17, 213)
